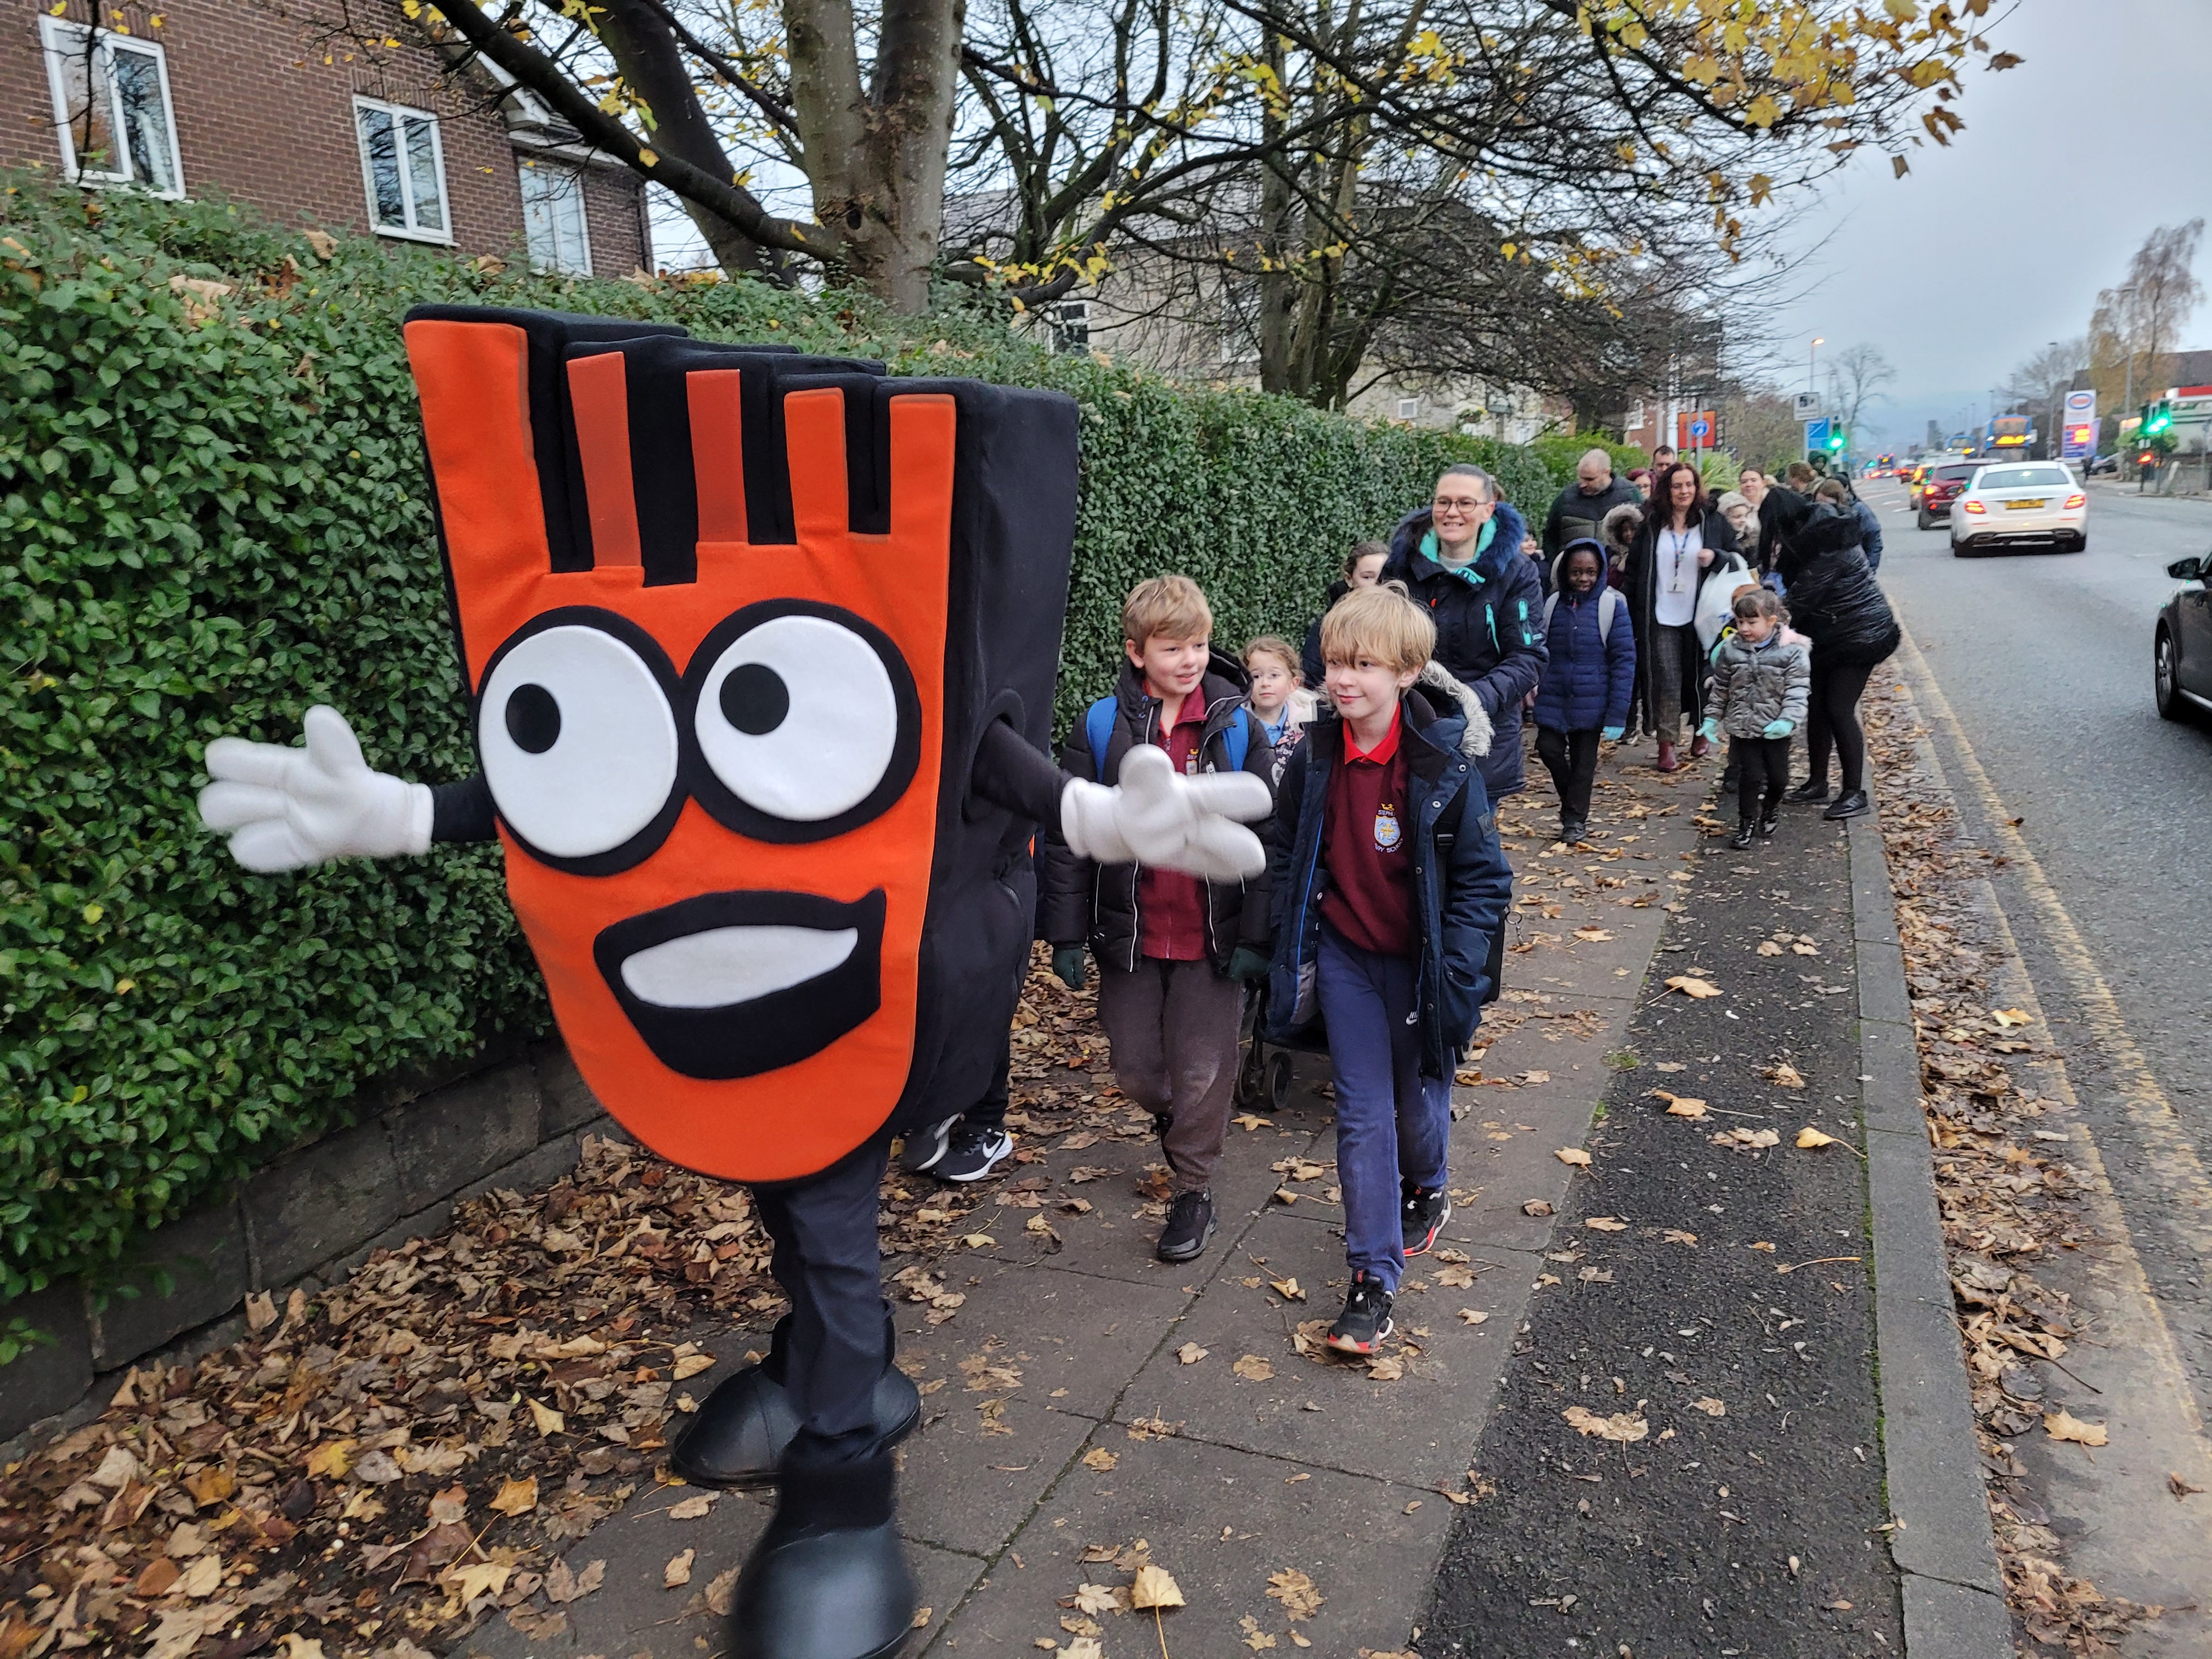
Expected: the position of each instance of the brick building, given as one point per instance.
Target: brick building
(311, 112)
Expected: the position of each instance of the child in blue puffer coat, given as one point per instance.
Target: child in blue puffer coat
(1583, 694)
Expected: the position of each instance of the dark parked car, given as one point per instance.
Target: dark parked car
(2104, 464)
(1941, 486)
(2181, 648)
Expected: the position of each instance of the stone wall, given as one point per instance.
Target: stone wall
(421, 1145)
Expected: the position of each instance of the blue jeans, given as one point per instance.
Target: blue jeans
(1393, 1125)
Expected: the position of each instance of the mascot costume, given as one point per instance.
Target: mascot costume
(759, 650)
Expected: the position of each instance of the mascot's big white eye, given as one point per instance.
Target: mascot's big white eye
(579, 744)
(799, 718)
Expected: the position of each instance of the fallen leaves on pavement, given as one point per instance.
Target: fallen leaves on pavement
(2004, 1199)
(2062, 1424)
(381, 1467)
(1691, 985)
(1625, 1427)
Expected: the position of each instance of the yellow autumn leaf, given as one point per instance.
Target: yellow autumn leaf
(1253, 1369)
(1153, 1587)
(1809, 1136)
(548, 1421)
(2011, 1017)
(517, 1497)
(1573, 1155)
(1691, 985)
(331, 1460)
(646, 158)
(478, 1578)
(2062, 1424)
(1623, 1426)
(1606, 1223)
(1680, 1105)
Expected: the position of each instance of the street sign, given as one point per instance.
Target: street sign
(1694, 429)
(1816, 433)
(1806, 406)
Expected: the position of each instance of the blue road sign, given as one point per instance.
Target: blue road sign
(1700, 431)
(1816, 433)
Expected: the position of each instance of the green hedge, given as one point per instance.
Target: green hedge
(212, 515)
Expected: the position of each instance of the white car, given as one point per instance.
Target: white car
(2020, 504)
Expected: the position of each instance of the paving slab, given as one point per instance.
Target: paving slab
(1220, 1522)
(1076, 1337)
(1416, 1429)
(978, 1467)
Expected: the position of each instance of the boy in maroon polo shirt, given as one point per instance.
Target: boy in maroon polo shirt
(1388, 885)
(1173, 953)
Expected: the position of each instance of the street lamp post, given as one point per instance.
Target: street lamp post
(1811, 357)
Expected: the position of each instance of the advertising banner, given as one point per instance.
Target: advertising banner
(2077, 427)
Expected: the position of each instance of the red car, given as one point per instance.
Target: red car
(1944, 481)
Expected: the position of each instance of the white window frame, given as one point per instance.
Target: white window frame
(399, 113)
(1409, 408)
(61, 38)
(530, 162)
(1070, 326)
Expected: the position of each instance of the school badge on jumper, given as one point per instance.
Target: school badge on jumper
(1387, 832)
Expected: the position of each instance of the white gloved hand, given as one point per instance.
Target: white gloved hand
(284, 809)
(1156, 816)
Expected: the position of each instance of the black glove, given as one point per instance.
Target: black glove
(1067, 963)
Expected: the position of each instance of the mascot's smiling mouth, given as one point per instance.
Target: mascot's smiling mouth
(731, 984)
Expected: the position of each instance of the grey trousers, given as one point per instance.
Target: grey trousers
(1670, 650)
(1173, 1027)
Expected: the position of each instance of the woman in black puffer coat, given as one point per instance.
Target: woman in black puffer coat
(1835, 602)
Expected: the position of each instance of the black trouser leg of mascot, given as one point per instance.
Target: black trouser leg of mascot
(827, 1579)
(739, 1434)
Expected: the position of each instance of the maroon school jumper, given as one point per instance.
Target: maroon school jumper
(1171, 906)
(1365, 846)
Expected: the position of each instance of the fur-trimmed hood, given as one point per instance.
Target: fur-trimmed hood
(1476, 739)
(1619, 528)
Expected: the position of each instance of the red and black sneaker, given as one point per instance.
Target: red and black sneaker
(1423, 1216)
(1364, 1325)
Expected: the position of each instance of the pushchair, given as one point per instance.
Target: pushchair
(1263, 1075)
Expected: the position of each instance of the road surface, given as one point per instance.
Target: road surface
(2045, 660)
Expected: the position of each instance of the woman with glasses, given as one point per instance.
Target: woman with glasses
(1682, 544)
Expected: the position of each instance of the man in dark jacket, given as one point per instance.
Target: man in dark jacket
(1580, 509)
(1487, 602)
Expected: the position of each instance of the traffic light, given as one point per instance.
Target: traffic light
(1837, 438)
(2156, 418)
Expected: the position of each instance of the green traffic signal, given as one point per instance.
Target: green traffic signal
(2156, 418)
(1836, 440)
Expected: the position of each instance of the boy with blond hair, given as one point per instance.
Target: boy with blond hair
(1388, 886)
(1173, 951)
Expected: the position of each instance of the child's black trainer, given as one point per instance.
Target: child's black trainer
(1423, 1214)
(1364, 1325)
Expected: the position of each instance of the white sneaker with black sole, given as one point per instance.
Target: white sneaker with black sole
(973, 1154)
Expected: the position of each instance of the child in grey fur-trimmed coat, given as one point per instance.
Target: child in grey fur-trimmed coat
(1761, 681)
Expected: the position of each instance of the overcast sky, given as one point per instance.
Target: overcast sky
(1987, 252)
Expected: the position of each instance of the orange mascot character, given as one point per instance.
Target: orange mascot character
(760, 651)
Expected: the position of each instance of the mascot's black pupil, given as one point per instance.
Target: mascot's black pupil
(754, 699)
(533, 719)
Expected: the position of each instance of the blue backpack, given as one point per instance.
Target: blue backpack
(1098, 731)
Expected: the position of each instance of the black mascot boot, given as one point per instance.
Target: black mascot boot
(827, 1579)
(739, 1435)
